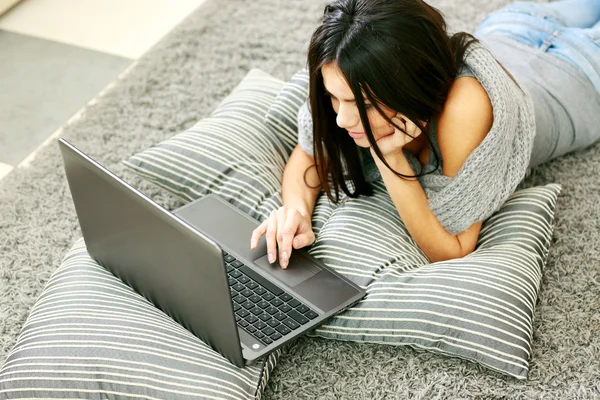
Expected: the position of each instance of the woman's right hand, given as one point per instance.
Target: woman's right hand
(286, 228)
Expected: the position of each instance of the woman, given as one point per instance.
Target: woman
(449, 123)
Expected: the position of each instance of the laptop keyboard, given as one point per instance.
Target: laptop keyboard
(261, 308)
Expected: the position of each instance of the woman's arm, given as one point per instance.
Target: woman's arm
(294, 192)
(411, 203)
(466, 119)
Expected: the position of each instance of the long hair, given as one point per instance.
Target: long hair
(398, 53)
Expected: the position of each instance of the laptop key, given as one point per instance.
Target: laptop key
(275, 336)
(284, 330)
(251, 318)
(266, 340)
(276, 302)
(255, 298)
(235, 273)
(264, 317)
(273, 323)
(302, 309)
(242, 313)
(252, 285)
(285, 308)
(256, 310)
(298, 317)
(263, 304)
(251, 329)
(311, 314)
(259, 334)
(260, 279)
(294, 303)
(243, 278)
(239, 287)
(229, 258)
(271, 310)
(231, 281)
(268, 296)
(230, 268)
(237, 263)
(292, 324)
(243, 323)
(280, 316)
(260, 290)
(247, 292)
(268, 331)
(285, 297)
(236, 307)
(259, 325)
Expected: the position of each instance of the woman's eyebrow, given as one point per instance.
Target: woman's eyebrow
(327, 92)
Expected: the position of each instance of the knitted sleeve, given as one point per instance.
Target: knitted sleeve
(494, 169)
(305, 129)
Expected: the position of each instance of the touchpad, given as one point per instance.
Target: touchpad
(298, 270)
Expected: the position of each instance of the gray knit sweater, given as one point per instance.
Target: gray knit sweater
(493, 170)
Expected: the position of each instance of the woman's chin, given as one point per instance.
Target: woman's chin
(364, 143)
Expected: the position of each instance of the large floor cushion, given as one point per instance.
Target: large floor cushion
(91, 336)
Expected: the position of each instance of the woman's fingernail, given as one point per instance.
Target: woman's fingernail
(252, 244)
(271, 258)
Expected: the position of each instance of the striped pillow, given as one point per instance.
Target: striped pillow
(478, 308)
(226, 153)
(283, 113)
(91, 336)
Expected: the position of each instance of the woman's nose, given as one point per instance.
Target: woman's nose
(347, 117)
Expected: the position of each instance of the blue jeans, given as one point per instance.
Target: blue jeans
(569, 29)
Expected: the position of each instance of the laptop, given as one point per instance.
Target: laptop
(195, 264)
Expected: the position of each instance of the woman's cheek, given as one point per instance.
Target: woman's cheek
(381, 130)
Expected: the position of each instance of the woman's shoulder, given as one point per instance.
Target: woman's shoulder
(465, 121)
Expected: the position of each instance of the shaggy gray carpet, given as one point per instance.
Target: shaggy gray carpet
(180, 81)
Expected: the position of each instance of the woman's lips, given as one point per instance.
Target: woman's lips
(356, 135)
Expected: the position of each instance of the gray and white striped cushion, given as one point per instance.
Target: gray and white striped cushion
(91, 336)
(479, 307)
(226, 153)
(283, 113)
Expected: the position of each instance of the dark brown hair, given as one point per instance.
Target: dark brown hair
(398, 53)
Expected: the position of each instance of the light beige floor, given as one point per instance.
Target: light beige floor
(126, 28)
(122, 28)
(5, 169)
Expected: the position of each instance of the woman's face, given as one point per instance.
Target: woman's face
(342, 100)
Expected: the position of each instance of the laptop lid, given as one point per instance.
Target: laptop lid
(156, 253)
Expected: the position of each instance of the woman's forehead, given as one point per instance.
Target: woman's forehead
(335, 82)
